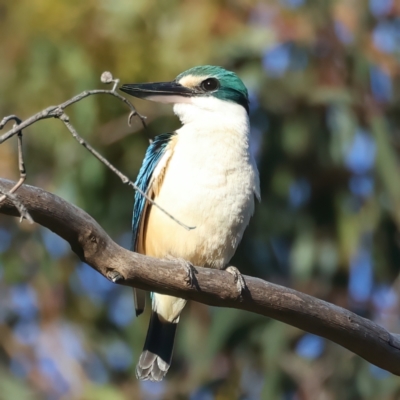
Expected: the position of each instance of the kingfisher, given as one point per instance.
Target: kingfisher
(204, 175)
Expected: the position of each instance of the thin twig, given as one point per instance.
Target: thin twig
(18, 205)
(64, 118)
(21, 164)
(22, 171)
(58, 112)
(55, 111)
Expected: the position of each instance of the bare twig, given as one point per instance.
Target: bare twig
(64, 118)
(213, 287)
(22, 171)
(55, 111)
(8, 194)
(58, 112)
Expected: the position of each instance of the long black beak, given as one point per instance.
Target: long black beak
(158, 91)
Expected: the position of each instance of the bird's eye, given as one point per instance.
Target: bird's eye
(210, 84)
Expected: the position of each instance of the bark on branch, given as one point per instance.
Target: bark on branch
(213, 287)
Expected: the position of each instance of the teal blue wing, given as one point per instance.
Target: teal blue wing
(153, 156)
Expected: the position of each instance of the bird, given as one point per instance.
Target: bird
(204, 175)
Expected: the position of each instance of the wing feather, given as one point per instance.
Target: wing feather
(149, 180)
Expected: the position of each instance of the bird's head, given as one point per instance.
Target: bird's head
(200, 86)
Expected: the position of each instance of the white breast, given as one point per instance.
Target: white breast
(210, 182)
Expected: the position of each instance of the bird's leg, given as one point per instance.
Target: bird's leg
(238, 279)
(190, 278)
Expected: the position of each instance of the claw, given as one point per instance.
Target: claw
(190, 278)
(115, 276)
(238, 279)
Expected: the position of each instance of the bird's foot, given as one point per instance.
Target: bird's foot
(190, 278)
(115, 276)
(238, 279)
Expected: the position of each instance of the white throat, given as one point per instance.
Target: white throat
(212, 113)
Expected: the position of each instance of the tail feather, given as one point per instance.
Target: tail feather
(139, 296)
(156, 357)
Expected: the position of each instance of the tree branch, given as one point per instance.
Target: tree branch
(213, 287)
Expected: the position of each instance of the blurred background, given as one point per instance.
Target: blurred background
(323, 78)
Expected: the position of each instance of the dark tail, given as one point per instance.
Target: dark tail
(139, 297)
(156, 357)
